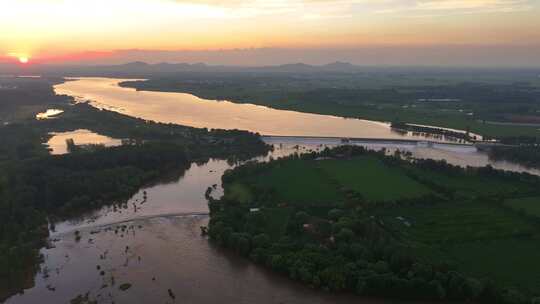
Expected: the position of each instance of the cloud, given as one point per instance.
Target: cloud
(472, 4)
(381, 6)
(307, 9)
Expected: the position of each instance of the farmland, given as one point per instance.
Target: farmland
(300, 182)
(336, 219)
(468, 185)
(459, 222)
(326, 182)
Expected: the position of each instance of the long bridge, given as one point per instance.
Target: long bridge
(344, 140)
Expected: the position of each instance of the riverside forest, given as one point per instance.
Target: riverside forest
(37, 189)
(443, 209)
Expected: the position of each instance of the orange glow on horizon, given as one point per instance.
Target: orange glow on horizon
(37, 58)
(51, 32)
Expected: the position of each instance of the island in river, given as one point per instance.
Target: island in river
(350, 219)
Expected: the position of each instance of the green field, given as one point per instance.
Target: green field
(300, 182)
(457, 222)
(325, 182)
(529, 205)
(470, 184)
(374, 180)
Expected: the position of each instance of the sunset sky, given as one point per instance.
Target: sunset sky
(75, 30)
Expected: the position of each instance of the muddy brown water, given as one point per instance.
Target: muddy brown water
(155, 243)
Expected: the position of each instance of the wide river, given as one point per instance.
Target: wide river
(189, 110)
(155, 243)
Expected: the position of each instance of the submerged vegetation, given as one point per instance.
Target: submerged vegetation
(37, 188)
(345, 219)
(357, 220)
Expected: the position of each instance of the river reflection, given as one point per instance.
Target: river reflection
(189, 110)
(57, 143)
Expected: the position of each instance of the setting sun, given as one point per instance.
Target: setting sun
(23, 60)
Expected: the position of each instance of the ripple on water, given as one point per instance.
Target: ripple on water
(155, 253)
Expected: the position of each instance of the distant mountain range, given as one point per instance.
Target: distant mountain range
(139, 69)
(142, 68)
(139, 66)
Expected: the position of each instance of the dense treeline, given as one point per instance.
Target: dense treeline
(56, 187)
(37, 189)
(20, 141)
(32, 190)
(341, 87)
(117, 125)
(22, 98)
(345, 247)
(27, 91)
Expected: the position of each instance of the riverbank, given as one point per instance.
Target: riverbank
(37, 189)
(357, 140)
(186, 109)
(162, 253)
(335, 95)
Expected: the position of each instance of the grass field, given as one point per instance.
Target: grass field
(324, 182)
(375, 181)
(300, 182)
(471, 184)
(529, 205)
(457, 222)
